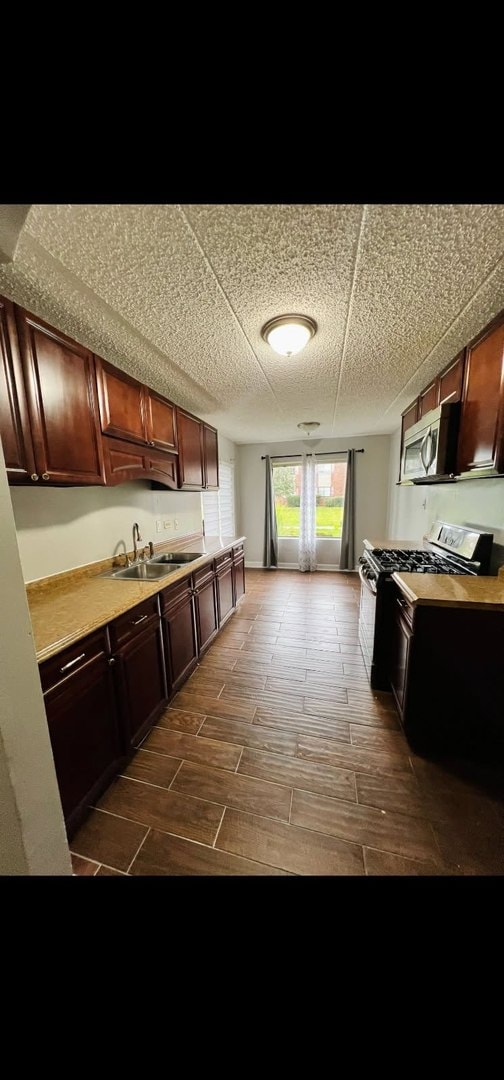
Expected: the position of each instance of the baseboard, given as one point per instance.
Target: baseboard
(294, 566)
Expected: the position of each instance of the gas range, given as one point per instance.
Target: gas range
(418, 562)
(447, 549)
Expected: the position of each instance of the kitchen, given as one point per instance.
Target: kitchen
(175, 300)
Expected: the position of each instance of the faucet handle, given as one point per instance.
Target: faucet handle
(151, 549)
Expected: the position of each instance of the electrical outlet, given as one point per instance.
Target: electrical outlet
(158, 526)
(167, 524)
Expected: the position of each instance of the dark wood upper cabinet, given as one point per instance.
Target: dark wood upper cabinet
(14, 419)
(122, 407)
(410, 416)
(481, 441)
(211, 457)
(62, 402)
(429, 399)
(161, 421)
(451, 381)
(190, 436)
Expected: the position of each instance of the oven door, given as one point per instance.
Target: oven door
(367, 616)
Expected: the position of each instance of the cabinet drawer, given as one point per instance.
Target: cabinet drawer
(238, 551)
(133, 622)
(203, 575)
(223, 561)
(176, 594)
(66, 663)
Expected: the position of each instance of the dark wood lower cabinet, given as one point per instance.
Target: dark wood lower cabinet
(207, 617)
(104, 693)
(181, 648)
(225, 592)
(85, 734)
(141, 682)
(239, 578)
(447, 676)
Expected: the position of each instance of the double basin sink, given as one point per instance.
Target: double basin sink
(157, 567)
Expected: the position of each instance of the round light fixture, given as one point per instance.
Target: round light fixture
(309, 426)
(288, 334)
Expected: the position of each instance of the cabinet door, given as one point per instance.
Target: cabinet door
(123, 461)
(239, 579)
(83, 728)
(225, 593)
(141, 682)
(451, 380)
(207, 618)
(190, 440)
(429, 399)
(482, 423)
(122, 409)
(399, 654)
(14, 420)
(162, 468)
(161, 421)
(180, 643)
(63, 405)
(211, 453)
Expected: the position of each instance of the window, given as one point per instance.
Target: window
(330, 478)
(218, 506)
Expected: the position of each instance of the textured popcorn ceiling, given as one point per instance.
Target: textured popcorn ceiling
(177, 296)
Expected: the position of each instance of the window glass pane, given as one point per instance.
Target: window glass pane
(330, 487)
(287, 487)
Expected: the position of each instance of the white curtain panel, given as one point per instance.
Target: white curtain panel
(307, 526)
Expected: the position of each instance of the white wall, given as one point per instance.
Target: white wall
(61, 528)
(32, 830)
(372, 474)
(476, 503)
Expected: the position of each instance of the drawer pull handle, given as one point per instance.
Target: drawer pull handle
(135, 622)
(72, 662)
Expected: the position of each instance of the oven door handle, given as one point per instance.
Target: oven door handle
(369, 584)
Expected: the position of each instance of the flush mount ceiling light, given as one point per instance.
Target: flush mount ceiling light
(288, 334)
(309, 426)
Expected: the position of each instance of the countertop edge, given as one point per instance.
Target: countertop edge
(475, 604)
(148, 589)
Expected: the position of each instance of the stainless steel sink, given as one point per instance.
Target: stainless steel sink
(147, 571)
(177, 556)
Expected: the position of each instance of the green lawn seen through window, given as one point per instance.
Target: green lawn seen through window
(329, 520)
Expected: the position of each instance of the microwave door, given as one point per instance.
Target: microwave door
(412, 459)
(428, 451)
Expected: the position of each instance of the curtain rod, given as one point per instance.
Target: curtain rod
(327, 453)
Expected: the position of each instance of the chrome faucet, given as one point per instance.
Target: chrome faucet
(136, 538)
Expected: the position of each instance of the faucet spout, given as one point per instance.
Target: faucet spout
(136, 539)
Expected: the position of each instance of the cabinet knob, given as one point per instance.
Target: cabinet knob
(111, 662)
(45, 476)
(34, 476)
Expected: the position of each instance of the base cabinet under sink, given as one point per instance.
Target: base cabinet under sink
(104, 693)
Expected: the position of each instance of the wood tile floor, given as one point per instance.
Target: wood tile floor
(276, 758)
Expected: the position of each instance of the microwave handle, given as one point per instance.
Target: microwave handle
(427, 461)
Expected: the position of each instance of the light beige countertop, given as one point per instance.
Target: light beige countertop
(395, 545)
(65, 608)
(452, 590)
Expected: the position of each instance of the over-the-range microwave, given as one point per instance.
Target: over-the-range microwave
(430, 446)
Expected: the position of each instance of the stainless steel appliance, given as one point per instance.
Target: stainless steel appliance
(447, 549)
(430, 446)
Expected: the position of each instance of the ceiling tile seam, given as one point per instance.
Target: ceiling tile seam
(446, 332)
(81, 287)
(349, 312)
(209, 263)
